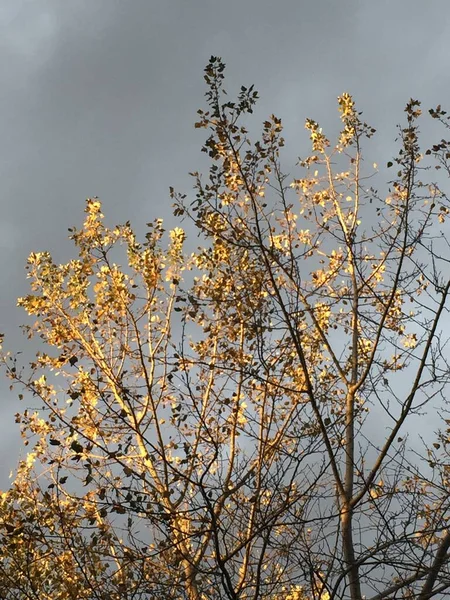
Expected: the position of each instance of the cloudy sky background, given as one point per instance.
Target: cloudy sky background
(99, 98)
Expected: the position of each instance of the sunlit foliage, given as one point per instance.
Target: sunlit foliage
(233, 422)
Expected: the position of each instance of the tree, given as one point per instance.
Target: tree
(239, 422)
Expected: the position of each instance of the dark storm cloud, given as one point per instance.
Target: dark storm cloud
(99, 97)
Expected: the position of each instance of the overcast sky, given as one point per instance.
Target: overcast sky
(98, 98)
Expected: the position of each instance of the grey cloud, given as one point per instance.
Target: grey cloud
(99, 98)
